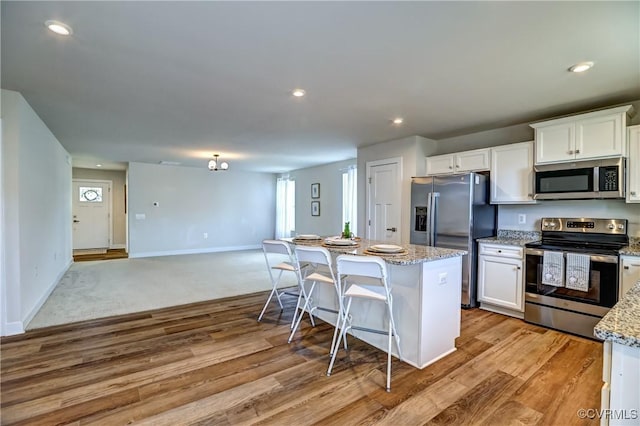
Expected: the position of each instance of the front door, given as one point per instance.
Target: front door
(384, 194)
(91, 211)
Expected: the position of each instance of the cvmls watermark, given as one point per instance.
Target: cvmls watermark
(595, 413)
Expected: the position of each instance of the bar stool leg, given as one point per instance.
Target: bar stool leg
(343, 333)
(307, 303)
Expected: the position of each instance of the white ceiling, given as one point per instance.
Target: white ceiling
(180, 81)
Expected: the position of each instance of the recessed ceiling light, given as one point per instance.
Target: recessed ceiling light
(398, 120)
(98, 165)
(581, 67)
(298, 93)
(59, 27)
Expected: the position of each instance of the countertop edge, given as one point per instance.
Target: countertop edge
(620, 325)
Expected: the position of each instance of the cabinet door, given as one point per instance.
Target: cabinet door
(440, 164)
(600, 137)
(555, 143)
(512, 174)
(629, 273)
(500, 282)
(475, 160)
(633, 165)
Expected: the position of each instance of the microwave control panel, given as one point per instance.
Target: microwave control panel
(608, 178)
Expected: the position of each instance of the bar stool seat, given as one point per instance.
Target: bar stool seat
(357, 268)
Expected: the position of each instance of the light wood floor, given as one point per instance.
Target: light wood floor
(110, 254)
(212, 363)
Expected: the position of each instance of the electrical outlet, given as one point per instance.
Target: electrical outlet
(442, 278)
(522, 219)
(205, 235)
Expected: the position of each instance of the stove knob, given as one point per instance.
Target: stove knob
(611, 226)
(620, 226)
(545, 224)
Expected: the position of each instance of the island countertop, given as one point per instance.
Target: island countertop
(414, 253)
(622, 323)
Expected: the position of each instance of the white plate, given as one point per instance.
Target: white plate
(307, 237)
(386, 248)
(340, 242)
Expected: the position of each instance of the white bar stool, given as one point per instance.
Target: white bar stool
(368, 267)
(318, 256)
(279, 257)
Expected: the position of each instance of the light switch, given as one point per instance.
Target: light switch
(141, 216)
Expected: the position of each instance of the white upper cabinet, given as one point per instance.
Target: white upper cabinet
(440, 164)
(512, 174)
(633, 165)
(597, 134)
(460, 162)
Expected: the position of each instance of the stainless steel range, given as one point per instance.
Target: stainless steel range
(571, 276)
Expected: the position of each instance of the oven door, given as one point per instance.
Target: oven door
(603, 280)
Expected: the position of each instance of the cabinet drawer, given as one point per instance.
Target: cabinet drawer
(503, 251)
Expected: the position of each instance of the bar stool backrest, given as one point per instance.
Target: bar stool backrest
(275, 246)
(365, 266)
(318, 255)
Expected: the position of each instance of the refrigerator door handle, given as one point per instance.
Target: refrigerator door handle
(429, 221)
(433, 216)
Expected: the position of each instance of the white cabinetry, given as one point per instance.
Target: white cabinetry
(597, 134)
(620, 394)
(512, 174)
(633, 164)
(459, 162)
(500, 278)
(629, 273)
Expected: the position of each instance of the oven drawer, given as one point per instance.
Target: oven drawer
(500, 250)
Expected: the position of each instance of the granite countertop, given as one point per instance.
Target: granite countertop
(622, 322)
(633, 249)
(414, 253)
(510, 237)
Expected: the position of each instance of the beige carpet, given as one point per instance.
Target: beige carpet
(100, 289)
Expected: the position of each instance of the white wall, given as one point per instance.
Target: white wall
(329, 176)
(36, 191)
(118, 218)
(235, 209)
(413, 151)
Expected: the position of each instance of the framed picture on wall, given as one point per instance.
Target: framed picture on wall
(315, 190)
(315, 208)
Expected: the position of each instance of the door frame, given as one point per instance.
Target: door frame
(110, 206)
(369, 166)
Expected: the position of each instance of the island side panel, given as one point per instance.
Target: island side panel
(440, 316)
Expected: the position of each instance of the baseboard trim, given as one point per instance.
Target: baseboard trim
(193, 251)
(13, 328)
(117, 246)
(27, 319)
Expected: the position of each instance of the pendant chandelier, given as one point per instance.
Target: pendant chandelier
(216, 164)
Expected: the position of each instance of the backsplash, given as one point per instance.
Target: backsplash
(508, 215)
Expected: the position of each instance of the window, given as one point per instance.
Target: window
(90, 194)
(350, 198)
(285, 207)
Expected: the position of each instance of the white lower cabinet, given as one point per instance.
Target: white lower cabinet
(620, 393)
(500, 279)
(629, 273)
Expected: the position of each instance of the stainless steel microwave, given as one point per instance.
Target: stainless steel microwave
(580, 180)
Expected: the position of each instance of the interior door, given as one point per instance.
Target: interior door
(91, 209)
(383, 209)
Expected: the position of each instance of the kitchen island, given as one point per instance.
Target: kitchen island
(620, 330)
(426, 289)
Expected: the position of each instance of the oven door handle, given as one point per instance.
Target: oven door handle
(602, 258)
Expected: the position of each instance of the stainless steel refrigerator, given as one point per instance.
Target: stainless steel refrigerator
(452, 212)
